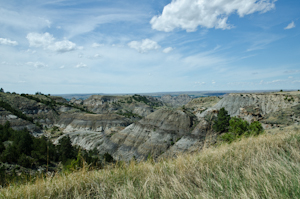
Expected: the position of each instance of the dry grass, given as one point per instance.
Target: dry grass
(267, 166)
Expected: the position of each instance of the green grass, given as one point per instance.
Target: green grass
(266, 166)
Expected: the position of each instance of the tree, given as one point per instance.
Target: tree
(23, 141)
(1, 90)
(222, 122)
(65, 149)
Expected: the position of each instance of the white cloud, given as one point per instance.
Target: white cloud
(63, 66)
(40, 40)
(8, 42)
(144, 46)
(62, 46)
(37, 64)
(189, 14)
(81, 65)
(290, 77)
(290, 26)
(96, 45)
(167, 50)
(47, 41)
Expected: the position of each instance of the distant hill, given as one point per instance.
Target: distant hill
(193, 94)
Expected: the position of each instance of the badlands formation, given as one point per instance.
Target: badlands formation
(139, 127)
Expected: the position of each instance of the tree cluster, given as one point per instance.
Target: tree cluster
(20, 147)
(234, 128)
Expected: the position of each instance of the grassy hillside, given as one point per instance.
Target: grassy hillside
(267, 166)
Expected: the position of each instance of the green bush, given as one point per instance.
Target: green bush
(255, 128)
(238, 126)
(228, 137)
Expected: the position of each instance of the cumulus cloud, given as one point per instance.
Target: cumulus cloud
(290, 26)
(37, 64)
(81, 65)
(40, 40)
(189, 14)
(144, 46)
(62, 46)
(167, 50)
(47, 41)
(8, 42)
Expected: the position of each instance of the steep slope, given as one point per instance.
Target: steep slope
(33, 110)
(161, 134)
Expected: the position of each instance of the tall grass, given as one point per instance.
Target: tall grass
(267, 166)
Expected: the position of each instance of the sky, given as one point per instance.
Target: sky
(139, 46)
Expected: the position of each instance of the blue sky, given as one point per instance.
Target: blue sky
(104, 46)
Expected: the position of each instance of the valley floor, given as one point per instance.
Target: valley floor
(267, 166)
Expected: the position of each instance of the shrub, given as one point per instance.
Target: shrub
(255, 128)
(238, 126)
(108, 158)
(228, 137)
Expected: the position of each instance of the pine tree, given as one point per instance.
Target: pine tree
(222, 122)
(65, 149)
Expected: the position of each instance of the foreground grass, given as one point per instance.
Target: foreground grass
(267, 166)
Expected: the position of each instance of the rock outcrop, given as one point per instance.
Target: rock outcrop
(253, 107)
(91, 122)
(137, 105)
(162, 133)
(176, 101)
